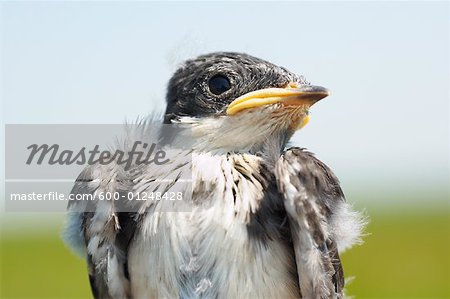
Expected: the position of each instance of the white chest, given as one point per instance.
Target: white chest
(208, 252)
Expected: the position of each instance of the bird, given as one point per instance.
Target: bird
(262, 220)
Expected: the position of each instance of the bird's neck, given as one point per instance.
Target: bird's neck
(221, 136)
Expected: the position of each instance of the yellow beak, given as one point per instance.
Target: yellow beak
(292, 95)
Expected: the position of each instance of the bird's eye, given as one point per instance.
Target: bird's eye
(219, 84)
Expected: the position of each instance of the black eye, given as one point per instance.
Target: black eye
(219, 84)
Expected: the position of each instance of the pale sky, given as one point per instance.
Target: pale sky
(386, 63)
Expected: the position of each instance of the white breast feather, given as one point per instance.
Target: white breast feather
(210, 244)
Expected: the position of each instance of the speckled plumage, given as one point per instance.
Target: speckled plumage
(264, 222)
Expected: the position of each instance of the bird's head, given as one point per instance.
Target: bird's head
(238, 102)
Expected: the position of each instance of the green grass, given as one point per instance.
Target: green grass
(406, 255)
(41, 267)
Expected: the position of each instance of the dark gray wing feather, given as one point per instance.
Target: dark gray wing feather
(106, 233)
(311, 193)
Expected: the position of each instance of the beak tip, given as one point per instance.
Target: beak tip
(316, 93)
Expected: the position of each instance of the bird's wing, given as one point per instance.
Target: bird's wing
(98, 231)
(317, 215)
